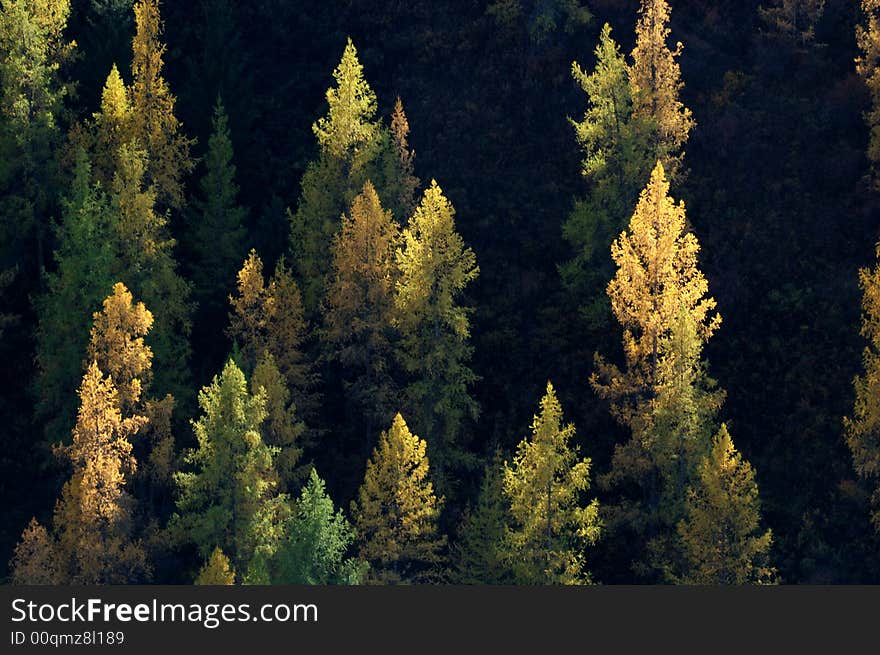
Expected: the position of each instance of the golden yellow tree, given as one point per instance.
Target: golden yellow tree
(153, 122)
(216, 571)
(112, 127)
(396, 512)
(35, 560)
(868, 66)
(655, 79)
(862, 429)
(403, 177)
(93, 517)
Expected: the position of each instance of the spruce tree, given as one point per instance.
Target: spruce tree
(550, 523)
(396, 511)
(216, 571)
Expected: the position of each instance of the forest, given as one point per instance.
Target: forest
(524, 292)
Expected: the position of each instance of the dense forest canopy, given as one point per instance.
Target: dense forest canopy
(495, 291)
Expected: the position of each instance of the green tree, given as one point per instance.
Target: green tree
(216, 571)
(359, 307)
(73, 291)
(479, 554)
(396, 512)
(435, 267)
(868, 67)
(721, 535)
(317, 540)
(550, 525)
(228, 499)
(794, 20)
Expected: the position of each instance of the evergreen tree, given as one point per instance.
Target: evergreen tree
(868, 67)
(655, 79)
(33, 49)
(111, 128)
(82, 278)
(359, 307)
(794, 20)
(216, 571)
(435, 267)
(479, 555)
(550, 524)
(35, 560)
(862, 429)
(153, 122)
(216, 235)
(401, 175)
(228, 498)
(317, 540)
(721, 536)
(396, 512)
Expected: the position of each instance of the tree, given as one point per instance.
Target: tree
(93, 517)
(269, 318)
(402, 172)
(73, 291)
(111, 127)
(655, 79)
(616, 164)
(359, 308)
(153, 122)
(396, 512)
(868, 67)
(348, 137)
(722, 540)
(479, 555)
(550, 523)
(35, 559)
(216, 571)
(317, 540)
(228, 498)
(862, 429)
(794, 20)
(435, 267)
(33, 49)
(216, 235)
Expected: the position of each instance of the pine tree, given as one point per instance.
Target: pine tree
(550, 523)
(349, 138)
(83, 276)
(616, 164)
(480, 555)
(862, 429)
(723, 543)
(401, 175)
(112, 127)
(33, 49)
(396, 512)
(153, 122)
(794, 20)
(228, 499)
(318, 538)
(93, 517)
(216, 571)
(868, 67)
(359, 308)
(435, 267)
(655, 79)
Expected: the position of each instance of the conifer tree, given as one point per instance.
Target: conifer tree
(35, 560)
(82, 278)
(317, 540)
(479, 555)
(396, 511)
(721, 535)
(401, 175)
(348, 137)
(215, 239)
(112, 127)
(216, 571)
(868, 67)
(550, 522)
(33, 48)
(153, 122)
(862, 429)
(435, 267)
(93, 517)
(358, 315)
(655, 79)
(794, 20)
(616, 164)
(228, 499)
